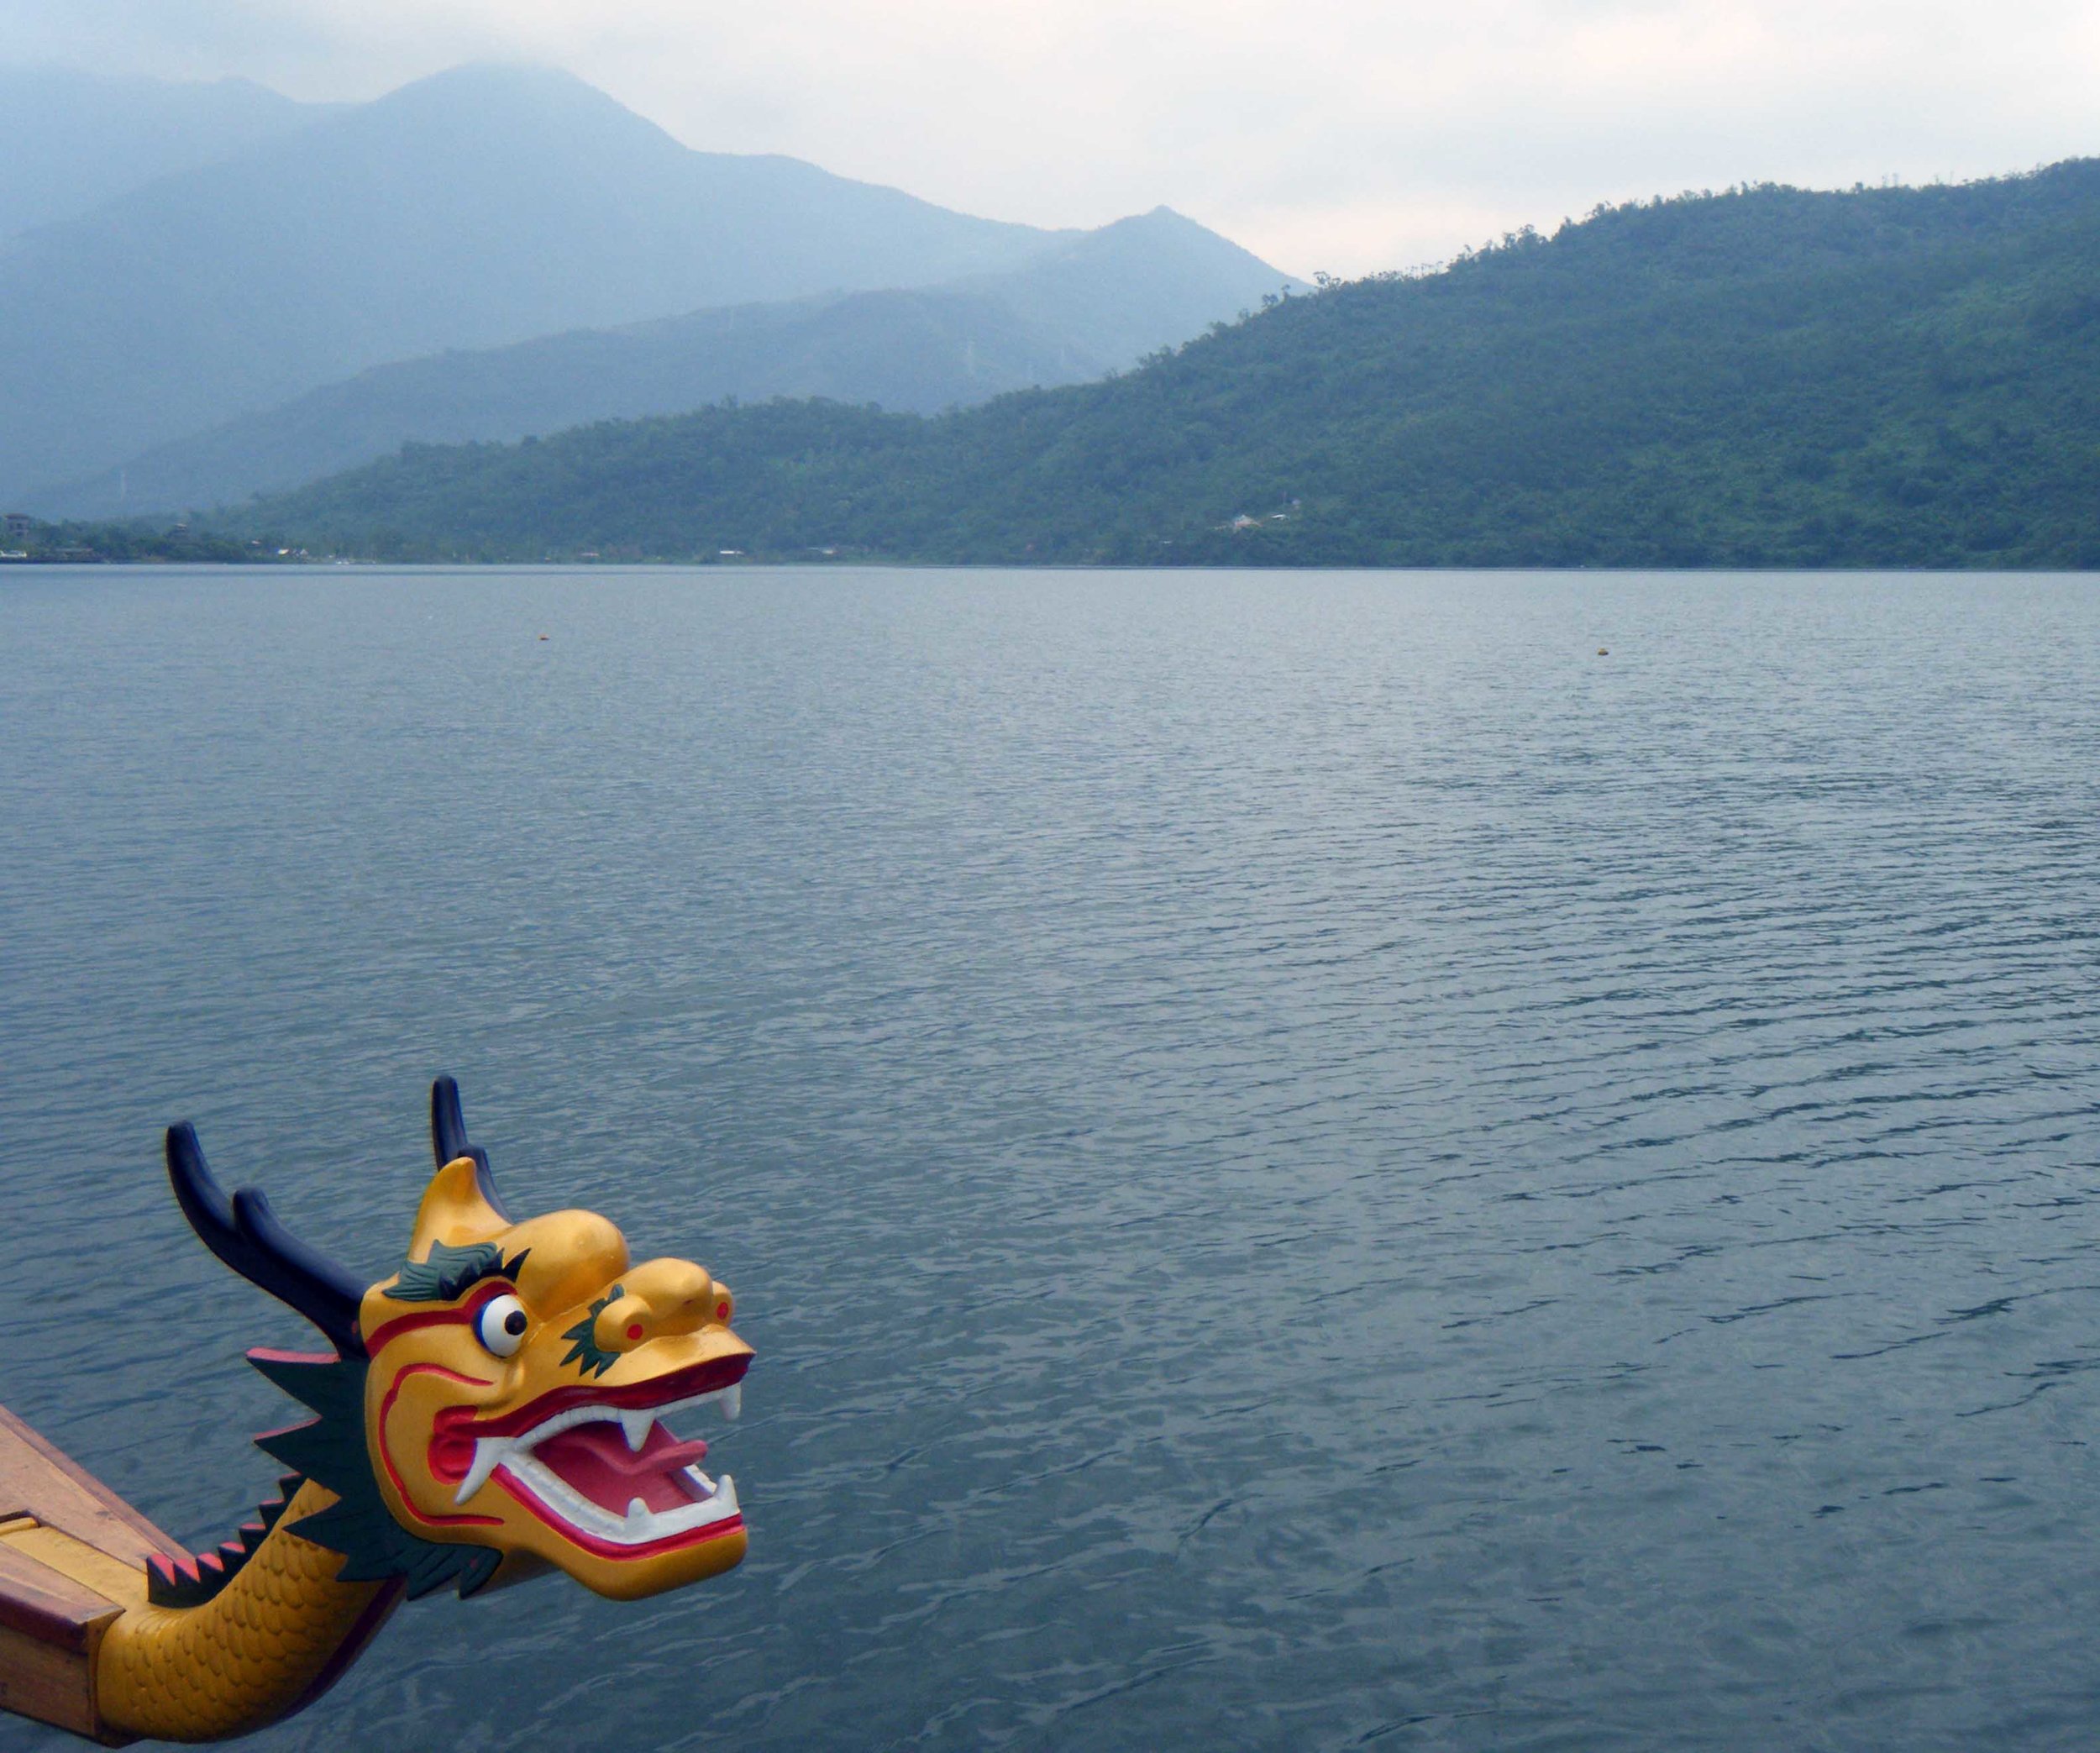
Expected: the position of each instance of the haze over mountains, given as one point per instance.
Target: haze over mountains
(71, 140)
(491, 207)
(1080, 306)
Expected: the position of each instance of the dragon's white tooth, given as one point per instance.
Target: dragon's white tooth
(638, 1426)
(546, 1428)
(725, 1493)
(488, 1453)
(732, 1402)
(637, 1513)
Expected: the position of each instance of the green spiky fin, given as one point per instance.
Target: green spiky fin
(331, 1451)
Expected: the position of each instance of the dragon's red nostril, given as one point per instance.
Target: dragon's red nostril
(635, 1331)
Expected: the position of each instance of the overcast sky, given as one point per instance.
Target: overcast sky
(1347, 135)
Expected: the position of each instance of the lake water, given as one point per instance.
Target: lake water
(1311, 1162)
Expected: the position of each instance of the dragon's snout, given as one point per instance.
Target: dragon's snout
(661, 1300)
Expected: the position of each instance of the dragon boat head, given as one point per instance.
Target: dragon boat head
(500, 1403)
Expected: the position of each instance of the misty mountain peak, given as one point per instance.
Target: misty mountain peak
(514, 103)
(531, 85)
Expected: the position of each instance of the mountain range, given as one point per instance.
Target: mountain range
(1767, 377)
(1083, 305)
(159, 343)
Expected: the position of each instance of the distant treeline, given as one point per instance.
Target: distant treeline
(86, 543)
(1767, 377)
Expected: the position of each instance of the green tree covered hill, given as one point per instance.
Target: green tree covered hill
(1906, 377)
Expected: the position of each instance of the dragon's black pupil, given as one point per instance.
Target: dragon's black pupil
(514, 1322)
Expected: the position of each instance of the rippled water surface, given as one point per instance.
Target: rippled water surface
(1310, 1161)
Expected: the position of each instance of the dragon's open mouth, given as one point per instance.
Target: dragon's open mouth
(602, 1468)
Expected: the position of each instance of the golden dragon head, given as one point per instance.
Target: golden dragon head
(497, 1405)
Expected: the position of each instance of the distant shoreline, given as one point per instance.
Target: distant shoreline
(1080, 568)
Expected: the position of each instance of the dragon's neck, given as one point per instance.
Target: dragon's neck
(275, 1636)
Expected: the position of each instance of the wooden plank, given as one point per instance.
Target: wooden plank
(51, 1684)
(37, 1479)
(78, 1562)
(37, 1602)
(51, 1628)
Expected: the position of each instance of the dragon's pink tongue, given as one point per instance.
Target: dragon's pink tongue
(595, 1458)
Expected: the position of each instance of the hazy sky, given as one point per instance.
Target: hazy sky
(1338, 135)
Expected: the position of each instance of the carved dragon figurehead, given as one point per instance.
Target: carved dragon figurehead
(497, 1405)
(519, 1373)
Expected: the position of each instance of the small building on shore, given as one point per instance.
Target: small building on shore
(18, 527)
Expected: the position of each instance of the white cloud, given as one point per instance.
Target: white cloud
(1349, 135)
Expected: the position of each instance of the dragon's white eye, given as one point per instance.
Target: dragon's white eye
(501, 1325)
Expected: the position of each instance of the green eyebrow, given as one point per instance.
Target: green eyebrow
(450, 1272)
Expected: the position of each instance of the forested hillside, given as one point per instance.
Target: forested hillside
(1765, 377)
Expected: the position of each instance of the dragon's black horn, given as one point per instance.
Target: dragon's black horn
(449, 1140)
(244, 1233)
